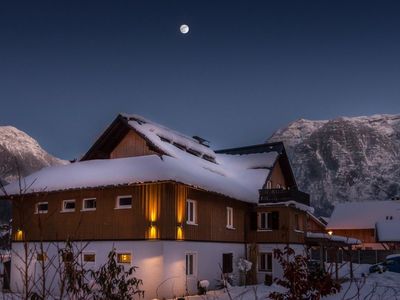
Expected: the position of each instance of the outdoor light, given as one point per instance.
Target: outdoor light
(330, 232)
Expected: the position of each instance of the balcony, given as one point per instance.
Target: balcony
(281, 195)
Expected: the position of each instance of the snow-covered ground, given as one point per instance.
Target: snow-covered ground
(370, 286)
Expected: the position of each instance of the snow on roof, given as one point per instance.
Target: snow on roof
(362, 215)
(388, 231)
(335, 238)
(291, 203)
(236, 176)
(163, 137)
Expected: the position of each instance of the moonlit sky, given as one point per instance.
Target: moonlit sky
(245, 69)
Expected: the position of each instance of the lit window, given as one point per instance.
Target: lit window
(229, 217)
(89, 204)
(42, 207)
(265, 262)
(268, 220)
(124, 202)
(89, 257)
(124, 258)
(191, 211)
(41, 256)
(191, 264)
(68, 205)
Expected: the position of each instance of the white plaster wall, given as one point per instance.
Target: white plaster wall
(277, 271)
(161, 264)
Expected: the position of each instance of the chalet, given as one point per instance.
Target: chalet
(168, 204)
(375, 223)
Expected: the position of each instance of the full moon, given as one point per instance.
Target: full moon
(184, 28)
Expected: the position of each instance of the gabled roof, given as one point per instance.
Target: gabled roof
(179, 158)
(363, 215)
(265, 148)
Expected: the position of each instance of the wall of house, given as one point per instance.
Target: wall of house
(161, 264)
(131, 145)
(277, 178)
(364, 235)
(287, 232)
(314, 226)
(158, 212)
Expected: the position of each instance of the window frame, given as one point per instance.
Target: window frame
(37, 211)
(88, 253)
(194, 263)
(229, 218)
(193, 216)
(89, 209)
(65, 210)
(43, 256)
(267, 257)
(118, 253)
(118, 204)
(259, 221)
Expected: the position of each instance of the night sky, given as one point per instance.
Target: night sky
(245, 69)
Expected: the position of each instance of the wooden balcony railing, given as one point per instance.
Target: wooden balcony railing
(281, 195)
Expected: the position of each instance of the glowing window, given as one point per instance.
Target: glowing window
(124, 258)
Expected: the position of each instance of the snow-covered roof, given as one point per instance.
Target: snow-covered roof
(163, 138)
(335, 238)
(363, 215)
(388, 231)
(239, 176)
(291, 203)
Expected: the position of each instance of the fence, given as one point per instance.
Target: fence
(357, 257)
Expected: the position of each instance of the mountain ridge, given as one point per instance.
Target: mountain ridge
(344, 159)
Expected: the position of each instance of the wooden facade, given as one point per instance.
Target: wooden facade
(364, 235)
(158, 209)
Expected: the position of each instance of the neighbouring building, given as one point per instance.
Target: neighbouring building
(375, 223)
(168, 204)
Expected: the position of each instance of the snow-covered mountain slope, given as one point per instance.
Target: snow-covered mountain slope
(21, 154)
(345, 159)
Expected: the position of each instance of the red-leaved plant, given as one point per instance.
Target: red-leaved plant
(300, 283)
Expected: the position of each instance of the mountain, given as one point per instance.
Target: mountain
(20, 154)
(345, 159)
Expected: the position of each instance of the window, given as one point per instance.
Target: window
(191, 264)
(89, 257)
(227, 263)
(265, 262)
(68, 206)
(89, 204)
(191, 212)
(42, 207)
(67, 257)
(229, 217)
(268, 220)
(41, 256)
(124, 202)
(269, 185)
(124, 258)
(278, 186)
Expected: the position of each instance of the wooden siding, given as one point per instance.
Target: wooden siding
(286, 233)
(314, 226)
(158, 212)
(131, 145)
(277, 176)
(364, 235)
